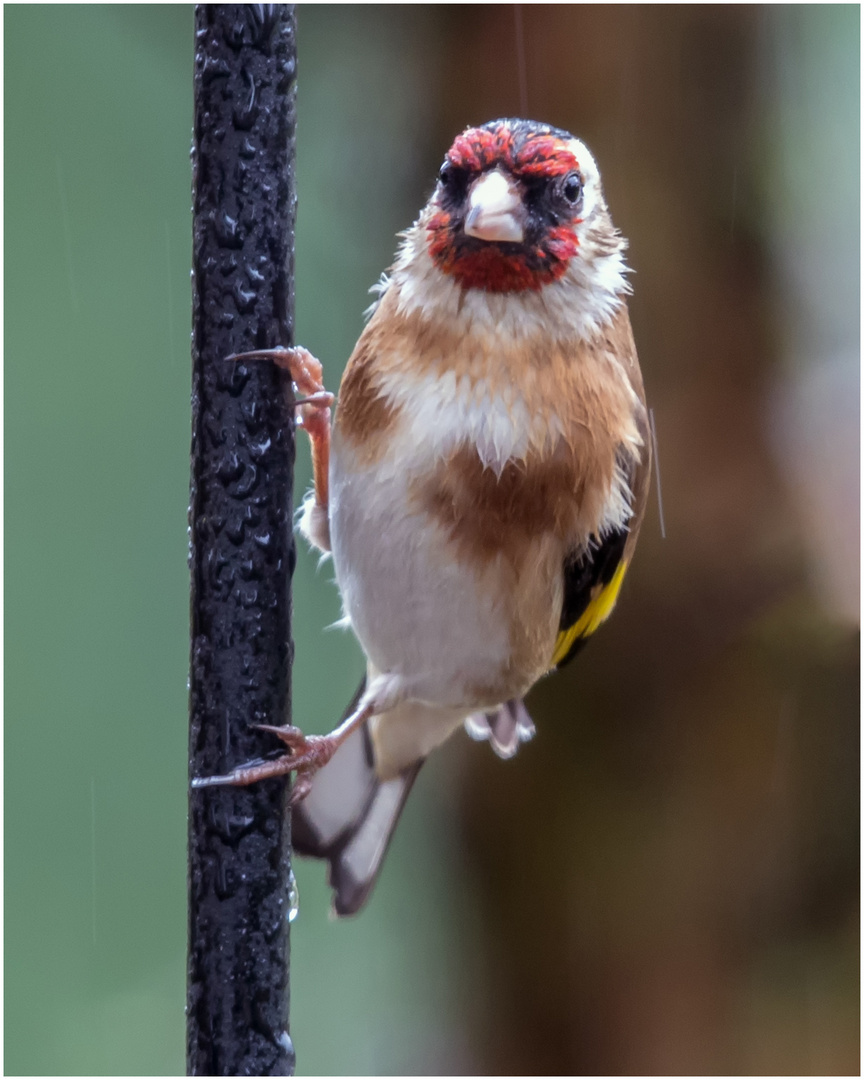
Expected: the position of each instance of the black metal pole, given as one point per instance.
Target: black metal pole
(241, 551)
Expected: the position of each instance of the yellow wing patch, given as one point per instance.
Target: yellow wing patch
(598, 611)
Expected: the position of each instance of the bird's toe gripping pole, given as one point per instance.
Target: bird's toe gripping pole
(314, 404)
(307, 754)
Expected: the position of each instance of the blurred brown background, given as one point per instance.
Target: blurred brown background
(666, 880)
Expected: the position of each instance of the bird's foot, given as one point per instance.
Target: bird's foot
(307, 374)
(309, 753)
(313, 406)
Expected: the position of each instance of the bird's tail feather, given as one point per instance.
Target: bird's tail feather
(349, 816)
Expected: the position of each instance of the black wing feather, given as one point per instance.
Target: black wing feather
(582, 574)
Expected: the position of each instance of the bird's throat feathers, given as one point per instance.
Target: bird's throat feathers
(501, 268)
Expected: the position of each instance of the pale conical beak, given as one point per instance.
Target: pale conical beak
(495, 210)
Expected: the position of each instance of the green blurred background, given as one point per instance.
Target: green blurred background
(666, 880)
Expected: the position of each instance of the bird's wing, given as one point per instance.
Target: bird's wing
(592, 579)
(591, 585)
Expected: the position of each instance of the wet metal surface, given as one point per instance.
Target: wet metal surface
(241, 546)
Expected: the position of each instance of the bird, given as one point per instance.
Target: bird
(481, 486)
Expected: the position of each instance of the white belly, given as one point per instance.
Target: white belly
(416, 609)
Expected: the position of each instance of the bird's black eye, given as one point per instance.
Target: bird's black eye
(453, 180)
(571, 189)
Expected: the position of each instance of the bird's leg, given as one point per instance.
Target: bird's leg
(314, 407)
(308, 754)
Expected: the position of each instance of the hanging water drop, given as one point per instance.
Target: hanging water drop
(283, 1039)
(293, 898)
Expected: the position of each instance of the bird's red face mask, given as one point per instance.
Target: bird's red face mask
(506, 208)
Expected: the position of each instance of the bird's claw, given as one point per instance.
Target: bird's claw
(307, 375)
(308, 754)
(300, 788)
(306, 372)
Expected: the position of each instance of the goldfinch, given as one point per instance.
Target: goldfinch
(484, 486)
